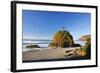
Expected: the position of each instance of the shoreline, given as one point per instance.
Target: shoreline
(48, 54)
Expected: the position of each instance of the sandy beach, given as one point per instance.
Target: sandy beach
(47, 54)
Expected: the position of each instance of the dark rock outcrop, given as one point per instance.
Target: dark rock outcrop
(32, 46)
(76, 45)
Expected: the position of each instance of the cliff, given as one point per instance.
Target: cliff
(85, 37)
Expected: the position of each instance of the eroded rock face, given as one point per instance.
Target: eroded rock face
(85, 37)
(62, 39)
(87, 47)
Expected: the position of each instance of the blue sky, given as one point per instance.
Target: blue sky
(43, 24)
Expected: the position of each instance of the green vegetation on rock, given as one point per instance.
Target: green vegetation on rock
(52, 45)
(62, 39)
(87, 47)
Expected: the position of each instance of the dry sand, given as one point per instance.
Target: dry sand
(45, 54)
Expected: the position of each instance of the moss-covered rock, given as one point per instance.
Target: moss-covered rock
(87, 47)
(62, 39)
(52, 45)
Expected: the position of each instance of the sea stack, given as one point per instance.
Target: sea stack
(62, 39)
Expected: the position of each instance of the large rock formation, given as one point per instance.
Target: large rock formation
(62, 39)
(85, 37)
(87, 47)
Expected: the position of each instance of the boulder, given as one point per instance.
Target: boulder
(32, 46)
(62, 39)
(76, 45)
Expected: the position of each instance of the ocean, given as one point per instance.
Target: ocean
(42, 43)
